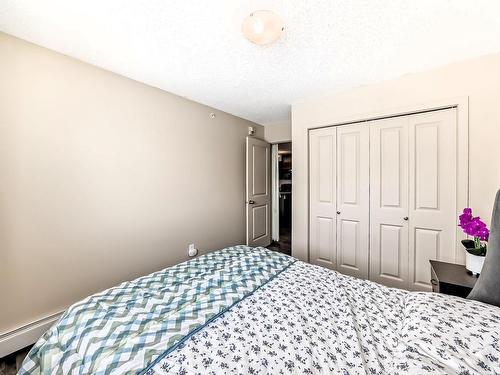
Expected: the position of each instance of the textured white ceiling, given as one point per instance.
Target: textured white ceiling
(194, 48)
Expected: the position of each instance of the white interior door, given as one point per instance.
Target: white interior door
(258, 192)
(353, 195)
(389, 202)
(322, 191)
(433, 192)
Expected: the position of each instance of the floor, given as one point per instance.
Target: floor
(285, 243)
(11, 364)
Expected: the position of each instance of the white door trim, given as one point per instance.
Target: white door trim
(462, 173)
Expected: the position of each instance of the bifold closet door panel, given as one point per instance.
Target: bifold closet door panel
(433, 192)
(353, 199)
(322, 191)
(389, 202)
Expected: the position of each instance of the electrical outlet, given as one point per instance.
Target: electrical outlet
(192, 251)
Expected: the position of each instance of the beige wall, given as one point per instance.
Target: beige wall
(103, 179)
(277, 132)
(478, 80)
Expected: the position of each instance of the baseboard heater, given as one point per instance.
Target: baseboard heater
(25, 335)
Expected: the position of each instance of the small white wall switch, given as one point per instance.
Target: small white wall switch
(192, 251)
(251, 130)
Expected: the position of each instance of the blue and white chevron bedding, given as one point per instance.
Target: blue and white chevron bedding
(125, 329)
(253, 311)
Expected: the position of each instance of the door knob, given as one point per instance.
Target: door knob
(405, 218)
(251, 202)
(338, 212)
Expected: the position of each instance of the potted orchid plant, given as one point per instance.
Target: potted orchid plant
(476, 248)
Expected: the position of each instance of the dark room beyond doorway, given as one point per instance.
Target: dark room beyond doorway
(283, 182)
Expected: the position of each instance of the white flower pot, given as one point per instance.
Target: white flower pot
(474, 263)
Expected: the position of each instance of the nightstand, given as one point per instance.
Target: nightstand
(450, 278)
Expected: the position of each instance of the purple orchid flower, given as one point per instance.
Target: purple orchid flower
(473, 225)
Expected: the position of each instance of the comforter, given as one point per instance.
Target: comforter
(254, 311)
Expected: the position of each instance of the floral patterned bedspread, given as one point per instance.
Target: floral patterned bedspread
(310, 320)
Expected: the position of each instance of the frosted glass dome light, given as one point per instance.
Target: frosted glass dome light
(262, 27)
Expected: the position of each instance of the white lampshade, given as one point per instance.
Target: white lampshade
(262, 27)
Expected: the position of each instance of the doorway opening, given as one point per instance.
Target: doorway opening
(281, 197)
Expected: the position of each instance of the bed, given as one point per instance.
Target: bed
(255, 311)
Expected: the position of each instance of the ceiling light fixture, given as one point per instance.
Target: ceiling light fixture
(262, 27)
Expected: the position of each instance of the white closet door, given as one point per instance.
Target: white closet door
(322, 190)
(389, 202)
(353, 199)
(432, 211)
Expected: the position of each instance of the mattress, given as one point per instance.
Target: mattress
(248, 310)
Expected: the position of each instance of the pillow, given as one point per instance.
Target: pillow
(487, 288)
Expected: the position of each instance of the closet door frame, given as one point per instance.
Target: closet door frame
(462, 173)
